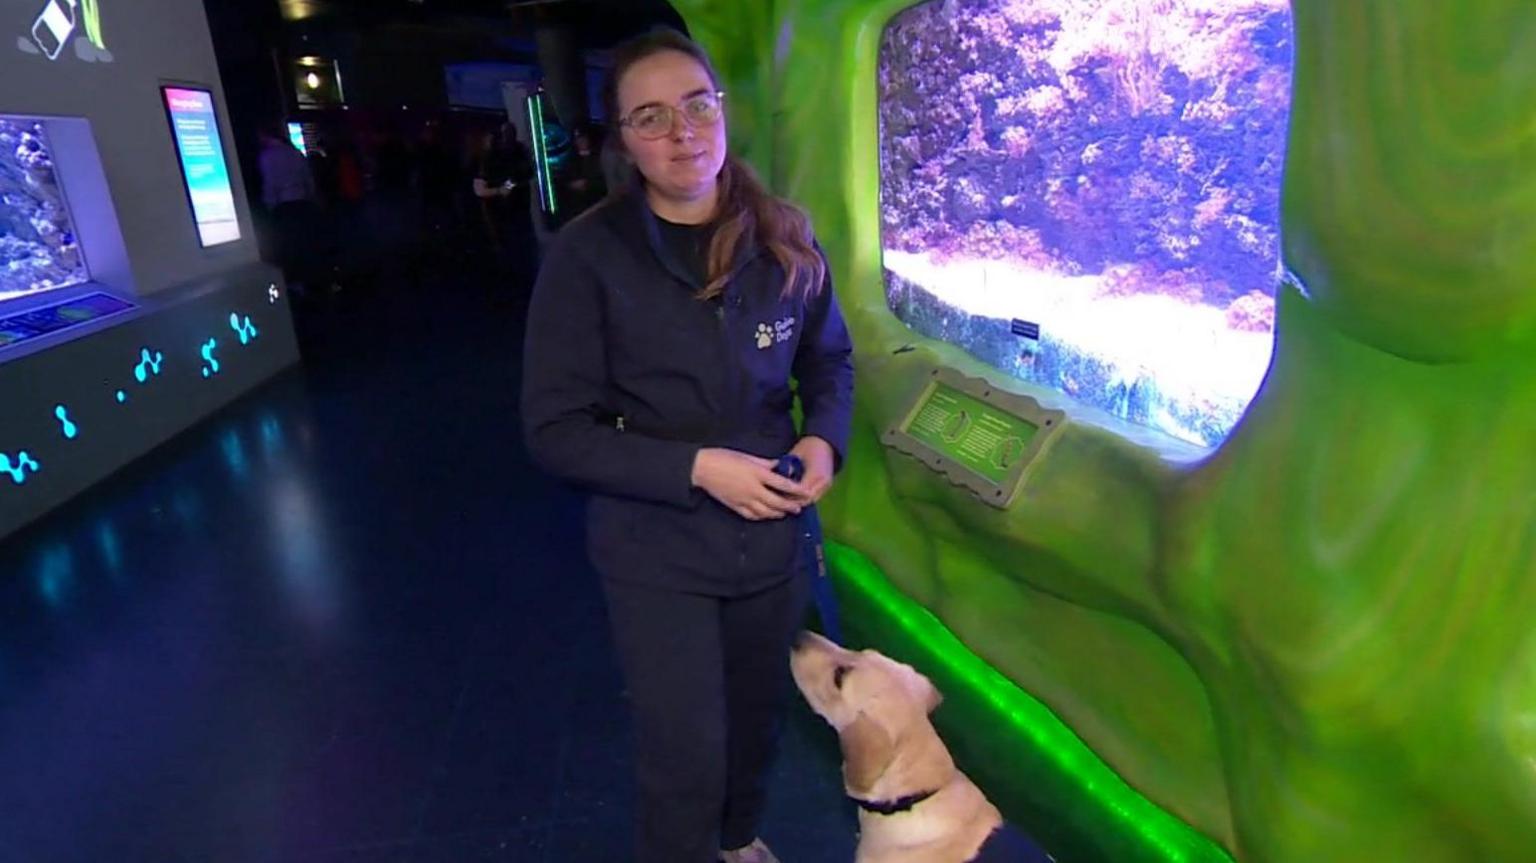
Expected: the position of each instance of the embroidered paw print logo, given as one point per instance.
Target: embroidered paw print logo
(764, 337)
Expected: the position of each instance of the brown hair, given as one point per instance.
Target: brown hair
(746, 211)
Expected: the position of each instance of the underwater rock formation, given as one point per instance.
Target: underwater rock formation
(38, 246)
(1142, 147)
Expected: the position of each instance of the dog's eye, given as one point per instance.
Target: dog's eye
(838, 674)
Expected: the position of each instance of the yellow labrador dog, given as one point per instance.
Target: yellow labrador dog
(915, 804)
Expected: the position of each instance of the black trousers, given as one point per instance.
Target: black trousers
(709, 684)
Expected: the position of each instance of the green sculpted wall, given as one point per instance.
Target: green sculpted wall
(1318, 643)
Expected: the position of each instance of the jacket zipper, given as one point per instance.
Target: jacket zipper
(733, 393)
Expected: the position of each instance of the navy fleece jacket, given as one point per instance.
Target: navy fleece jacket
(627, 375)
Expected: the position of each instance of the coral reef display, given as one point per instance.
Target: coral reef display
(38, 246)
(1107, 169)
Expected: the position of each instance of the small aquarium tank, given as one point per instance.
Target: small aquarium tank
(1086, 194)
(38, 248)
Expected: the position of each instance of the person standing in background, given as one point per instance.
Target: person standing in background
(293, 211)
(503, 184)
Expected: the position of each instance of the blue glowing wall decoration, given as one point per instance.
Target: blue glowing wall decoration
(211, 363)
(244, 329)
(18, 471)
(148, 365)
(71, 431)
(92, 401)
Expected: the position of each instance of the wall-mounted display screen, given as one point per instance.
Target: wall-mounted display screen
(39, 250)
(195, 127)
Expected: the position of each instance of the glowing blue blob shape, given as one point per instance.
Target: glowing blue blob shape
(244, 329)
(212, 363)
(70, 429)
(147, 365)
(121, 397)
(18, 471)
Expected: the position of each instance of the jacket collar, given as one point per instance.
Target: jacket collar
(642, 227)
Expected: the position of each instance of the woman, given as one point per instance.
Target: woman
(665, 327)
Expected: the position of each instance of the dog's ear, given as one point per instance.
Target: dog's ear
(923, 691)
(935, 697)
(867, 751)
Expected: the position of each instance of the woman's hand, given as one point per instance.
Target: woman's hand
(747, 485)
(820, 465)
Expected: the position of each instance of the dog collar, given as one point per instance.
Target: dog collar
(893, 807)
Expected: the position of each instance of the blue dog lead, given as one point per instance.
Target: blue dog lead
(825, 597)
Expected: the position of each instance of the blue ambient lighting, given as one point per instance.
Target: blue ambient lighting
(271, 434)
(121, 397)
(56, 575)
(234, 452)
(111, 549)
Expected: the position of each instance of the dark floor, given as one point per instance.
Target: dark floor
(344, 620)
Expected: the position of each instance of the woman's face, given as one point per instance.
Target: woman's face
(681, 158)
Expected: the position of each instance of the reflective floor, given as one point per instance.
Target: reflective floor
(343, 620)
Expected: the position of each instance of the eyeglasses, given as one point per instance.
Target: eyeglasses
(656, 121)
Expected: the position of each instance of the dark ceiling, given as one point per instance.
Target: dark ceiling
(600, 21)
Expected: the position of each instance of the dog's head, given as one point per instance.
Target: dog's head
(880, 709)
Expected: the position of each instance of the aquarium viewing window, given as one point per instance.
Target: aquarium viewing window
(39, 248)
(1086, 195)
